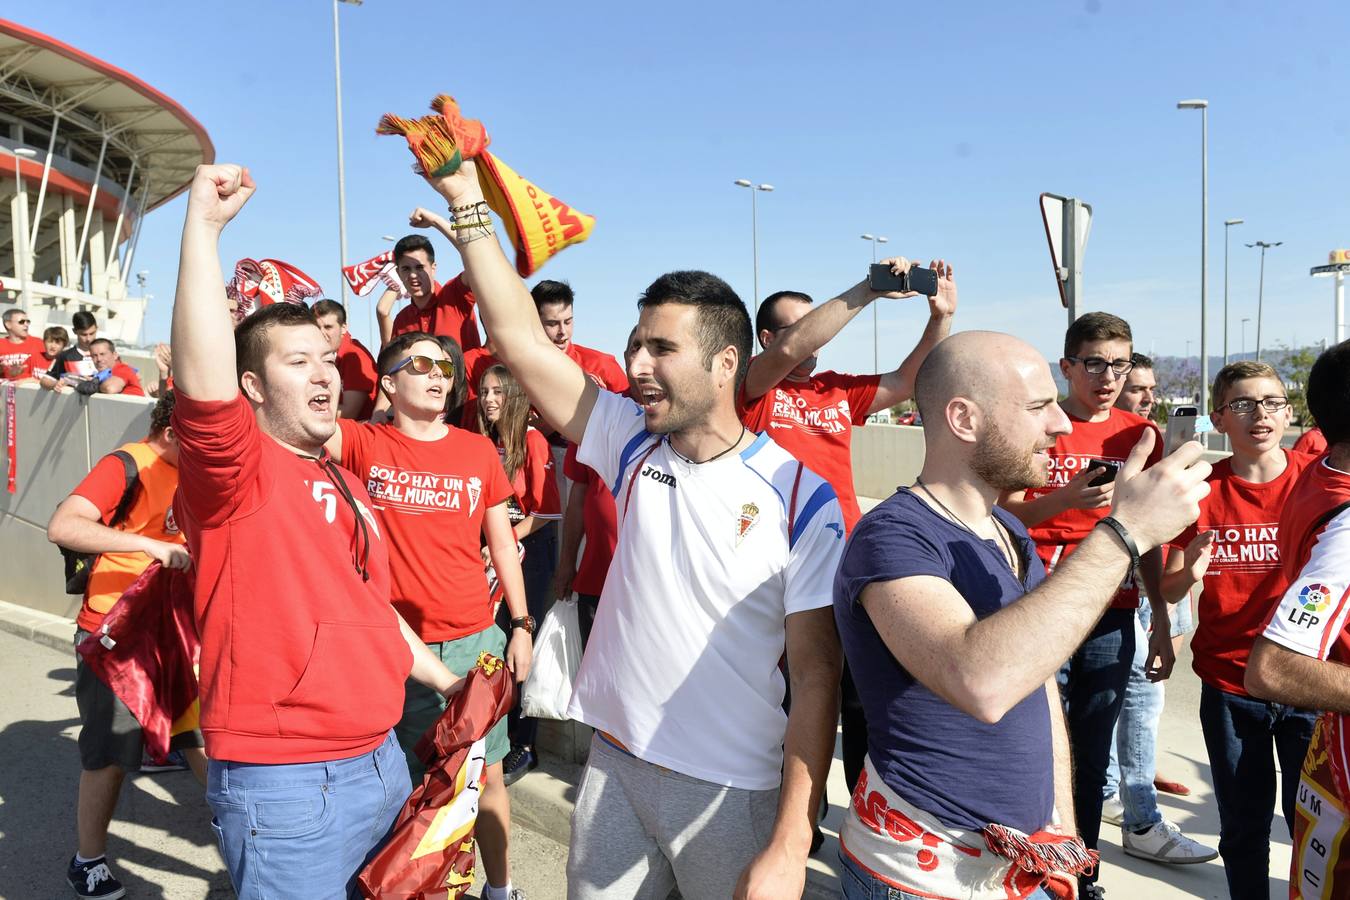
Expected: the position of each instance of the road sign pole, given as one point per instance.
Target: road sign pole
(1073, 268)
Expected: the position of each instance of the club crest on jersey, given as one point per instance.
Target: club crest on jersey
(475, 487)
(749, 515)
(170, 523)
(1313, 599)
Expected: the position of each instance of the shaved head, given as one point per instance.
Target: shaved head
(976, 365)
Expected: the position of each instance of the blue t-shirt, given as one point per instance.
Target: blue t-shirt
(964, 772)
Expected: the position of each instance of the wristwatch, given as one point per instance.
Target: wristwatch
(526, 622)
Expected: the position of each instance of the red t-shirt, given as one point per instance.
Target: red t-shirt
(476, 362)
(449, 312)
(356, 367)
(535, 485)
(1245, 580)
(13, 357)
(302, 657)
(133, 381)
(1312, 441)
(430, 497)
(1111, 440)
(37, 365)
(813, 420)
(603, 369)
(599, 522)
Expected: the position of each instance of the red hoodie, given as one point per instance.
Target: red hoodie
(302, 658)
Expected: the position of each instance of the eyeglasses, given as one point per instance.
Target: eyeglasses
(1247, 406)
(1095, 365)
(423, 365)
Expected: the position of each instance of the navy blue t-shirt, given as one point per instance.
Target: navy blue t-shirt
(964, 772)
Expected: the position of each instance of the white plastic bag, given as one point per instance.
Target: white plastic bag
(557, 655)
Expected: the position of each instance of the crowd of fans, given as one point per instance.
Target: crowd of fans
(993, 638)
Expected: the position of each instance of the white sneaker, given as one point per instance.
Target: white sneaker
(1112, 810)
(1165, 843)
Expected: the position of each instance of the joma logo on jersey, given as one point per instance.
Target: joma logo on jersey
(658, 476)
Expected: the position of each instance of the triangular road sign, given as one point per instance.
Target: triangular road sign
(1053, 215)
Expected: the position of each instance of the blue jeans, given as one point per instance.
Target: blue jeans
(1135, 741)
(305, 829)
(1092, 686)
(859, 884)
(1240, 733)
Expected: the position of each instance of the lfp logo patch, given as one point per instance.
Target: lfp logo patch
(1314, 597)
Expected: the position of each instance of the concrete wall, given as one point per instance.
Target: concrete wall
(60, 437)
(885, 457)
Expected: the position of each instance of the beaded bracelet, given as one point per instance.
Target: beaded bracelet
(481, 208)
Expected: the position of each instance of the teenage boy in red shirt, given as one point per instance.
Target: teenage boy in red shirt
(1098, 350)
(355, 365)
(438, 309)
(303, 659)
(1233, 549)
(436, 490)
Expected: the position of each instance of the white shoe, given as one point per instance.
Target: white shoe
(1112, 810)
(1165, 843)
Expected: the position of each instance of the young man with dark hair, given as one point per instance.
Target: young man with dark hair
(1232, 552)
(739, 542)
(77, 361)
(435, 308)
(303, 659)
(114, 376)
(1098, 354)
(1302, 657)
(18, 344)
(356, 366)
(110, 739)
(955, 634)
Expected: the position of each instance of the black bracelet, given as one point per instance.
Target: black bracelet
(1123, 533)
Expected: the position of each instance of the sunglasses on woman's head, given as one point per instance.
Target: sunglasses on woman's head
(423, 365)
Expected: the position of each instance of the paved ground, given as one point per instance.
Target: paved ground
(163, 848)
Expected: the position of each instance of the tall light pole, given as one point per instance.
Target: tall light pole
(341, 166)
(1261, 289)
(876, 366)
(1244, 336)
(1227, 224)
(1203, 106)
(20, 225)
(754, 232)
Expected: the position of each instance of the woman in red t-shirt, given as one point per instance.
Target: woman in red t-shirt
(504, 417)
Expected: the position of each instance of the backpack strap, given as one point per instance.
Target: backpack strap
(130, 492)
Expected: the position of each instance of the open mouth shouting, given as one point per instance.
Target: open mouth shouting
(650, 396)
(322, 403)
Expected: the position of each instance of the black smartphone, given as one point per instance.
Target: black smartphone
(1112, 470)
(917, 279)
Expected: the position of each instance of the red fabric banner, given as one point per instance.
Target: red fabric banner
(11, 438)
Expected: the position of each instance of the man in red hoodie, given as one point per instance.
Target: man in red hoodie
(303, 659)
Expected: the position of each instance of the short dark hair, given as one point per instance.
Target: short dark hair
(459, 391)
(55, 333)
(767, 317)
(392, 351)
(547, 292)
(97, 341)
(722, 319)
(1329, 393)
(12, 312)
(160, 415)
(1140, 361)
(251, 343)
(411, 243)
(83, 321)
(1095, 326)
(326, 307)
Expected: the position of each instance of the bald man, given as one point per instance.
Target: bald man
(954, 634)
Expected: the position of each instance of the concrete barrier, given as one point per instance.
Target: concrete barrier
(59, 437)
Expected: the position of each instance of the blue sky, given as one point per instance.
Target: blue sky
(936, 125)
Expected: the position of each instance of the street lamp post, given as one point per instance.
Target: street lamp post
(1244, 336)
(754, 232)
(1227, 223)
(341, 164)
(876, 366)
(20, 226)
(1203, 106)
(1261, 289)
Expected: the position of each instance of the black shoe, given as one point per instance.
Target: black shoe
(1092, 892)
(519, 761)
(94, 879)
(817, 839)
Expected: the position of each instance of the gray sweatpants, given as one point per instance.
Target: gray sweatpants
(639, 830)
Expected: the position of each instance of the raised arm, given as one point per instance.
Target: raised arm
(203, 334)
(985, 667)
(898, 385)
(384, 315)
(556, 386)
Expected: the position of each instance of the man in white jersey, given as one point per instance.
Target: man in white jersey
(727, 547)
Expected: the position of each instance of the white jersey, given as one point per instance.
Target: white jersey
(1312, 615)
(682, 663)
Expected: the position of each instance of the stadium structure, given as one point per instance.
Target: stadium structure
(86, 150)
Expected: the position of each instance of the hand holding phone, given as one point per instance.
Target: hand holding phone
(1112, 470)
(917, 280)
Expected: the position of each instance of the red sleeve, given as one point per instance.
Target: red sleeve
(861, 391)
(541, 483)
(133, 381)
(754, 413)
(573, 469)
(219, 456)
(613, 375)
(104, 485)
(357, 370)
(357, 440)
